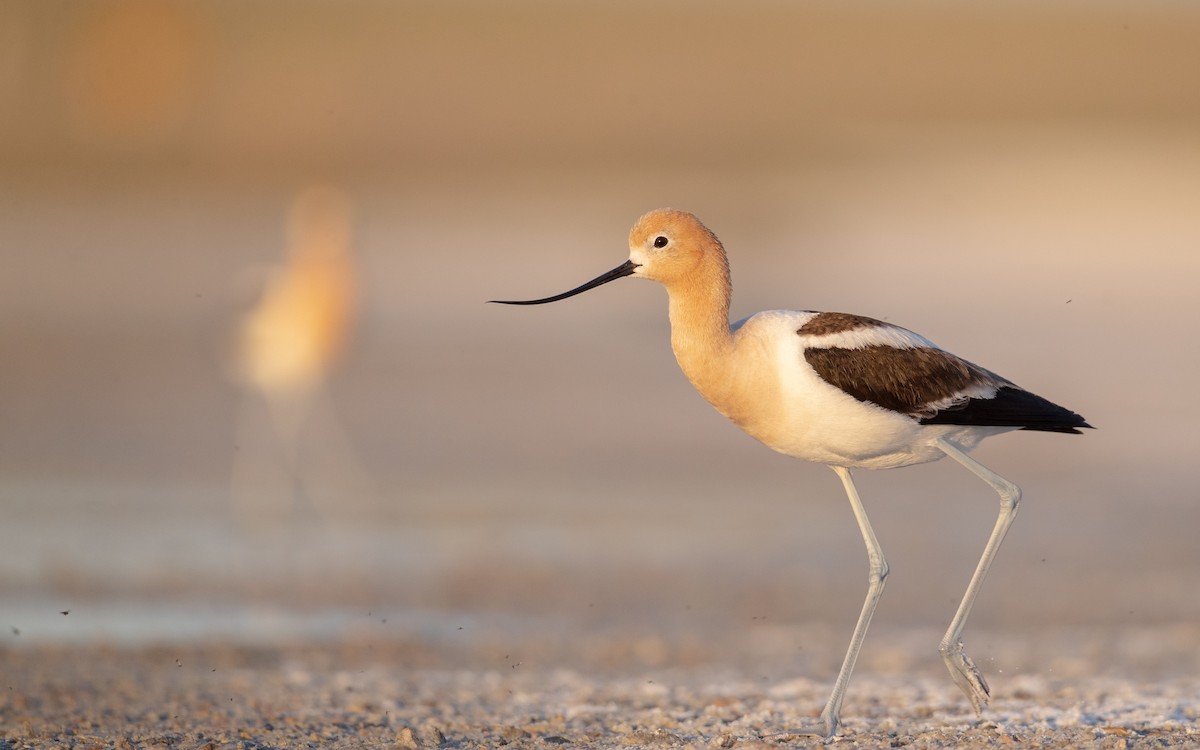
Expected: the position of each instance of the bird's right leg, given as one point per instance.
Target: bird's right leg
(876, 575)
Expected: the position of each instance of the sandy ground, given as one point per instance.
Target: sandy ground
(601, 689)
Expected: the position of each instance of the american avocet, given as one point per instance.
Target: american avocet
(287, 346)
(843, 390)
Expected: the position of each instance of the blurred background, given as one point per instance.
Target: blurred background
(251, 388)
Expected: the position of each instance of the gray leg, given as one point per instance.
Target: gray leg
(966, 675)
(876, 575)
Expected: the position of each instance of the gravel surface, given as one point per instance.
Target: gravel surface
(615, 690)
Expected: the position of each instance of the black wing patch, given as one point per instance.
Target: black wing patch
(928, 384)
(906, 380)
(1011, 407)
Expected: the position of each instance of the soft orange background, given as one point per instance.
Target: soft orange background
(1018, 182)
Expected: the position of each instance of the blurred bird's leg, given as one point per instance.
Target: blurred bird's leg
(263, 481)
(339, 485)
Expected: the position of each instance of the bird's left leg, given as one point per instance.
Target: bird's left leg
(966, 675)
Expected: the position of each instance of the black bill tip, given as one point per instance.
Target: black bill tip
(621, 271)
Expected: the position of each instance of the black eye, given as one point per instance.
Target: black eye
(660, 241)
